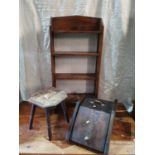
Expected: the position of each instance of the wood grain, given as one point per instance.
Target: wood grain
(77, 24)
(74, 76)
(75, 53)
(36, 141)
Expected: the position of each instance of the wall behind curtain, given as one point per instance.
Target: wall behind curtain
(117, 71)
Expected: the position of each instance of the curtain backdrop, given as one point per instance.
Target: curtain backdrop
(118, 61)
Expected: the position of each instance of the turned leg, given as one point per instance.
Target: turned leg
(33, 108)
(64, 111)
(48, 123)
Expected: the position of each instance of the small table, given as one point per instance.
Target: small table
(47, 99)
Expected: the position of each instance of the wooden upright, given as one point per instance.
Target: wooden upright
(77, 24)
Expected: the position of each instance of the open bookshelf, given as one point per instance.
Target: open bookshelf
(74, 25)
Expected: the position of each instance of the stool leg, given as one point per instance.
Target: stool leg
(33, 108)
(64, 111)
(48, 123)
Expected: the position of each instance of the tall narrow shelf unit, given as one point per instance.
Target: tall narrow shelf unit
(77, 24)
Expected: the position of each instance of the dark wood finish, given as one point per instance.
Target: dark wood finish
(111, 122)
(123, 124)
(82, 94)
(33, 108)
(60, 54)
(48, 124)
(98, 60)
(91, 124)
(63, 105)
(68, 135)
(75, 31)
(47, 116)
(77, 24)
(74, 76)
(59, 127)
(52, 58)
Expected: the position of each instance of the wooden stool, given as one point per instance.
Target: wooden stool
(47, 99)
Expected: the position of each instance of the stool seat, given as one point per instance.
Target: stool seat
(48, 97)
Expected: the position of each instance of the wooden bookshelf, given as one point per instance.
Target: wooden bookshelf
(77, 24)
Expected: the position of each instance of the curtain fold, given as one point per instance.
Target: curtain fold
(117, 71)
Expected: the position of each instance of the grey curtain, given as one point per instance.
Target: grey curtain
(118, 61)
